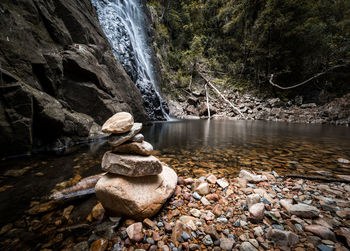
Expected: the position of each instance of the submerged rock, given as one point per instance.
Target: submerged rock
(131, 165)
(137, 198)
(120, 122)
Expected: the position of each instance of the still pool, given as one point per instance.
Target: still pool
(193, 148)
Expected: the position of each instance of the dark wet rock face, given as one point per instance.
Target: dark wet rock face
(59, 78)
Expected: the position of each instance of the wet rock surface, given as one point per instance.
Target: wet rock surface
(59, 77)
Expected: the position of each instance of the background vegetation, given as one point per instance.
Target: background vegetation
(244, 41)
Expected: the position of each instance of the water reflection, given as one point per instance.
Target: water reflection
(231, 145)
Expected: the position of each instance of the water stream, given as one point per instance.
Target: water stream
(124, 24)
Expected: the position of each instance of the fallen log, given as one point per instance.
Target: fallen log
(222, 96)
(206, 93)
(84, 187)
(316, 178)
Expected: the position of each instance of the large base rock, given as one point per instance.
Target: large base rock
(136, 198)
(131, 165)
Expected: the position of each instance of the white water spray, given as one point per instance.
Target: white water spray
(123, 22)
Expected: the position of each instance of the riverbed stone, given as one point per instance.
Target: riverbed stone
(131, 165)
(143, 148)
(303, 210)
(226, 243)
(321, 231)
(118, 139)
(247, 246)
(136, 197)
(202, 188)
(253, 199)
(257, 211)
(120, 122)
(283, 238)
(178, 231)
(244, 174)
(134, 232)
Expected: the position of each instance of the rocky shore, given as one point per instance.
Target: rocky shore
(336, 112)
(247, 213)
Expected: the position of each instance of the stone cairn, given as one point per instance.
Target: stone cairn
(136, 184)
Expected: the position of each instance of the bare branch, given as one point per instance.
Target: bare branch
(306, 81)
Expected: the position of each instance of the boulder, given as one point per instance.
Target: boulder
(116, 140)
(143, 148)
(137, 198)
(120, 122)
(131, 165)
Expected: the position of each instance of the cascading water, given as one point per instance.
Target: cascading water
(123, 22)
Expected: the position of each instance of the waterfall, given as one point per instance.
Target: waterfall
(123, 22)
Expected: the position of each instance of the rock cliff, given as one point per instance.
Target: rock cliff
(58, 77)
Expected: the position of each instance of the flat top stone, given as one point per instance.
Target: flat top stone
(120, 122)
(131, 165)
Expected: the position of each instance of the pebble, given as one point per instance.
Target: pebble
(207, 240)
(257, 211)
(195, 212)
(258, 231)
(205, 202)
(134, 232)
(247, 246)
(324, 248)
(221, 220)
(212, 179)
(226, 243)
(202, 188)
(222, 183)
(196, 196)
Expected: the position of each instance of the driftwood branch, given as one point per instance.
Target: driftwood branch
(206, 93)
(316, 178)
(222, 96)
(84, 187)
(306, 81)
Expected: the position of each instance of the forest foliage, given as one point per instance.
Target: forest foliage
(248, 40)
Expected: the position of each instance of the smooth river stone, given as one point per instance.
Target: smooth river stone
(143, 148)
(137, 138)
(131, 165)
(136, 198)
(120, 122)
(116, 140)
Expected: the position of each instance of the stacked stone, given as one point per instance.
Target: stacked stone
(136, 184)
